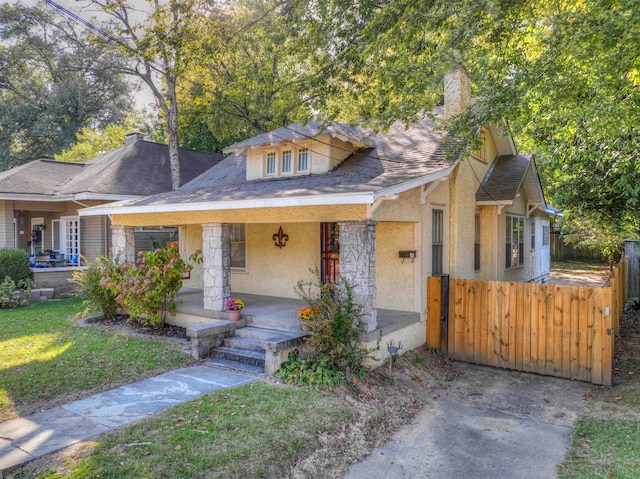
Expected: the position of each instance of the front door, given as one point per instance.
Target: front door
(329, 253)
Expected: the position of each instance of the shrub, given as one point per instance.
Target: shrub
(90, 285)
(13, 294)
(335, 328)
(14, 263)
(148, 288)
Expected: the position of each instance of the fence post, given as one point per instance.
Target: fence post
(444, 314)
(632, 252)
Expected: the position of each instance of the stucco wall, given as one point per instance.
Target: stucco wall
(468, 175)
(273, 271)
(294, 214)
(191, 241)
(395, 278)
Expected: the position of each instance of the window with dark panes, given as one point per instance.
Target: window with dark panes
(238, 246)
(514, 247)
(437, 245)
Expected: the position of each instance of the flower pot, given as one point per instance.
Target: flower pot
(234, 314)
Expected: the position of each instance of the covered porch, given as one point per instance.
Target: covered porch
(280, 314)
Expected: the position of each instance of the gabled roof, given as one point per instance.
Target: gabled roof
(504, 179)
(391, 163)
(138, 168)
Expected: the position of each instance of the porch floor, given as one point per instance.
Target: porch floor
(283, 310)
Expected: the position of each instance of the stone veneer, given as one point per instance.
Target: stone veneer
(216, 253)
(123, 243)
(358, 265)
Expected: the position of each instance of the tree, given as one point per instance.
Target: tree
(245, 78)
(156, 49)
(52, 84)
(565, 74)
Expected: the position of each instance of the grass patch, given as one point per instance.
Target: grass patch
(254, 431)
(604, 448)
(579, 266)
(47, 359)
(606, 443)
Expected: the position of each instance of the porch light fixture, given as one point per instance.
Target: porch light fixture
(280, 238)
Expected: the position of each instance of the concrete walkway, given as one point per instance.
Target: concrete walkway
(490, 423)
(27, 438)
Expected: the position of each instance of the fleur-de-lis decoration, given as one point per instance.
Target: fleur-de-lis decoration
(280, 238)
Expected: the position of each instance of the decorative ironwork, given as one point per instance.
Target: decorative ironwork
(280, 238)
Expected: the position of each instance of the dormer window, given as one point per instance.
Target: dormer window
(271, 164)
(287, 166)
(303, 159)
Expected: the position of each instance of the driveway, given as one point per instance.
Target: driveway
(489, 424)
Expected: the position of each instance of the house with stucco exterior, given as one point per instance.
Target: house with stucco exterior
(39, 202)
(385, 210)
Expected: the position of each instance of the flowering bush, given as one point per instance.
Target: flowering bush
(173, 245)
(148, 288)
(308, 314)
(233, 305)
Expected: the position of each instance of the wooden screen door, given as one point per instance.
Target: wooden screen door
(329, 253)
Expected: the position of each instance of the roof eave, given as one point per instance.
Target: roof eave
(363, 198)
(414, 183)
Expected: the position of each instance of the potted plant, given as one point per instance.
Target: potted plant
(306, 316)
(233, 306)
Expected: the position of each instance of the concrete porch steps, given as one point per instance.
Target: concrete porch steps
(259, 333)
(287, 325)
(249, 344)
(246, 356)
(236, 366)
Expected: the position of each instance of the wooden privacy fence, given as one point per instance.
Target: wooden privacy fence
(555, 330)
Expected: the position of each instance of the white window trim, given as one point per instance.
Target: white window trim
(518, 217)
(63, 236)
(292, 157)
(266, 164)
(445, 236)
(278, 152)
(239, 269)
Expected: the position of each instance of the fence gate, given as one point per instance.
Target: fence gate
(555, 330)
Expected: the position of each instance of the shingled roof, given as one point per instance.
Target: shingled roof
(503, 179)
(138, 168)
(389, 160)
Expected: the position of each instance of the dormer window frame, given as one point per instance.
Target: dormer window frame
(274, 160)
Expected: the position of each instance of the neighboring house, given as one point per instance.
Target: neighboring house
(39, 201)
(384, 210)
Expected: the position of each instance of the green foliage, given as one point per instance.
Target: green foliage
(14, 263)
(93, 142)
(334, 337)
(12, 294)
(90, 285)
(314, 371)
(53, 82)
(148, 288)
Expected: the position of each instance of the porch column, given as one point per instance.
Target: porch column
(123, 243)
(358, 265)
(216, 253)
(6, 225)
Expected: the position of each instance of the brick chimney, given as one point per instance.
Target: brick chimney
(457, 91)
(133, 137)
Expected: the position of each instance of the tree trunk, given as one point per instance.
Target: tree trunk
(172, 126)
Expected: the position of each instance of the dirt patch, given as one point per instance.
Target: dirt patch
(578, 277)
(124, 324)
(384, 404)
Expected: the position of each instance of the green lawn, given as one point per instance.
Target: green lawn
(47, 359)
(578, 266)
(602, 449)
(258, 430)
(606, 443)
